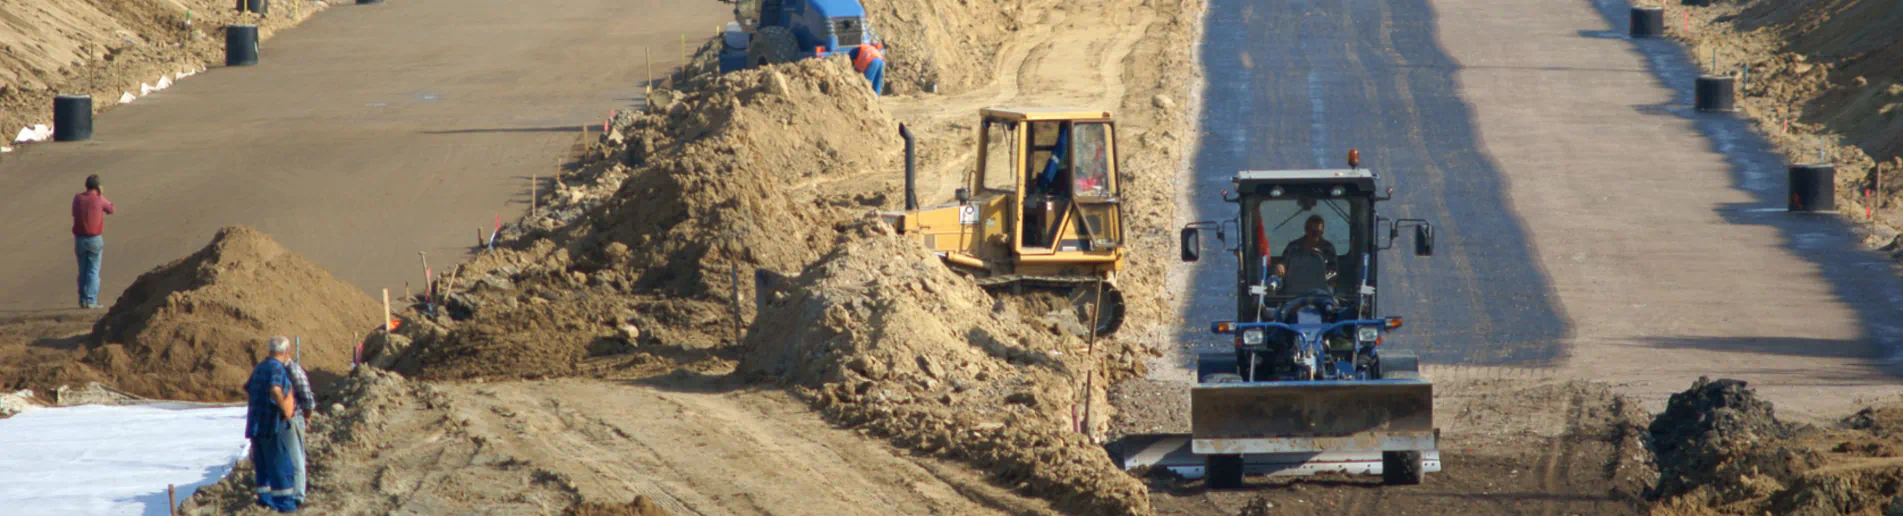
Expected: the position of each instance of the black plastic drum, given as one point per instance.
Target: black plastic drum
(72, 118)
(1813, 187)
(1716, 93)
(1648, 22)
(241, 45)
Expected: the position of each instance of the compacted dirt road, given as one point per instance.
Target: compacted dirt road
(364, 136)
(1592, 227)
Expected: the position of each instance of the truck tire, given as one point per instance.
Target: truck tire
(772, 45)
(1222, 471)
(1401, 468)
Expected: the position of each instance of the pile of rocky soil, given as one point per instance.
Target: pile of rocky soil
(1723, 450)
(1819, 78)
(192, 329)
(880, 335)
(106, 49)
(1710, 442)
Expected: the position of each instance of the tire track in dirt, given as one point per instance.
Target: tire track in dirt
(1021, 62)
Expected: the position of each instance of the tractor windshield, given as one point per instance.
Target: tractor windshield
(1312, 242)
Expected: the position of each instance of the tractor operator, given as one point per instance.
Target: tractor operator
(869, 59)
(1314, 259)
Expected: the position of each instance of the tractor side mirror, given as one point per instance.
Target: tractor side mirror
(1192, 245)
(1423, 240)
(963, 194)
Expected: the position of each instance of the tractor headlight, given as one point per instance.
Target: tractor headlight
(1252, 337)
(1367, 334)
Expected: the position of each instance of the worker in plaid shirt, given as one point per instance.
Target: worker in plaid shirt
(301, 389)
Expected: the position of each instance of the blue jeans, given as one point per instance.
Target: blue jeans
(90, 250)
(875, 72)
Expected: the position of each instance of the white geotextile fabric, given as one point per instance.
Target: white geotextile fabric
(97, 459)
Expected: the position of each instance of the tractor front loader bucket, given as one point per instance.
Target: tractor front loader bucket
(1312, 417)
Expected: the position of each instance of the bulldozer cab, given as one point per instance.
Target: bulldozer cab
(1056, 169)
(1041, 211)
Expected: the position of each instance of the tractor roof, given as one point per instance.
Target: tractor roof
(1034, 114)
(838, 8)
(1359, 178)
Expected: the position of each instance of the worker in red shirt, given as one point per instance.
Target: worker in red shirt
(869, 59)
(89, 242)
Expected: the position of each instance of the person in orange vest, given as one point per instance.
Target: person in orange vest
(869, 59)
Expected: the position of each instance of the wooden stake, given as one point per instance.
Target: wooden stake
(479, 239)
(739, 327)
(532, 199)
(428, 282)
(386, 310)
(451, 287)
(1090, 358)
(171, 500)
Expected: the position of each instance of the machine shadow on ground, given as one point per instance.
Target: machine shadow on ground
(1862, 279)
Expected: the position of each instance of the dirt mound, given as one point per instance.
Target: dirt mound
(880, 335)
(731, 175)
(1712, 444)
(192, 329)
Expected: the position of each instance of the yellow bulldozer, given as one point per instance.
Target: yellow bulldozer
(1039, 212)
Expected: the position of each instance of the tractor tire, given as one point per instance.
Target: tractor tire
(1401, 468)
(772, 45)
(1109, 318)
(1222, 471)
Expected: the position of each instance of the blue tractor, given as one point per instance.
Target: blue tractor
(787, 30)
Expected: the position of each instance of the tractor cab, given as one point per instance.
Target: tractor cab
(1312, 382)
(1307, 244)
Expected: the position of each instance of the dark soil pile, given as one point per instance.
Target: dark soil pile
(880, 335)
(193, 328)
(1710, 440)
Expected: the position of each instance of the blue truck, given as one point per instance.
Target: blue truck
(788, 30)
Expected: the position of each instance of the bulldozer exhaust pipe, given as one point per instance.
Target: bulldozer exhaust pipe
(911, 170)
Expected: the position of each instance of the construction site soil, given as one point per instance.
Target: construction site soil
(611, 354)
(636, 272)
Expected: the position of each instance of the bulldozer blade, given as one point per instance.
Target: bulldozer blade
(1317, 416)
(1172, 452)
